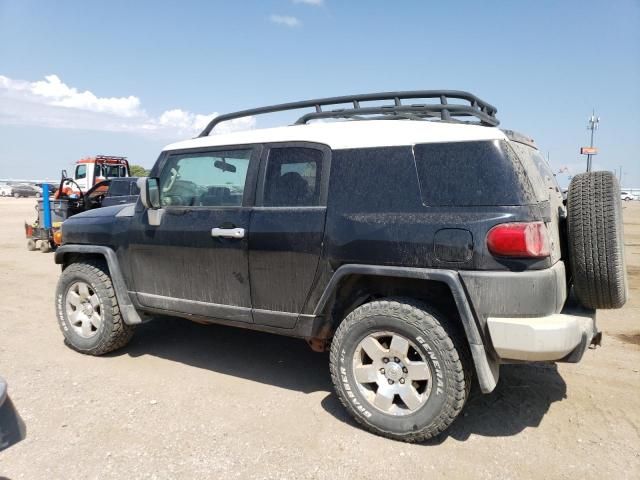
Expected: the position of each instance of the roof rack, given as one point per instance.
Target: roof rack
(443, 111)
(108, 157)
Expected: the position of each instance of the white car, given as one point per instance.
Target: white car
(626, 196)
(5, 190)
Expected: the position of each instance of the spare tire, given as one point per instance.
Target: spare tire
(596, 241)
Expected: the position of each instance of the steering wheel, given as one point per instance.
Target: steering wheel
(81, 199)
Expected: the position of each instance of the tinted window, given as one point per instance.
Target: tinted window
(292, 177)
(381, 179)
(81, 172)
(213, 179)
(134, 189)
(119, 189)
(471, 174)
(534, 162)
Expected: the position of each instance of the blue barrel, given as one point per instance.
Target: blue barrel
(46, 207)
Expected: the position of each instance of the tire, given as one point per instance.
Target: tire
(79, 329)
(16, 195)
(37, 195)
(596, 241)
(31, 245)
(432, 341)
(45, 246)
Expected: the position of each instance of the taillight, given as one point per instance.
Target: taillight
(519, 240)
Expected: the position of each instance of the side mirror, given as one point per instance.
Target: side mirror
(149, 192)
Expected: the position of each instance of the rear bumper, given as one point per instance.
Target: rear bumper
(531, 293)
(560, 336)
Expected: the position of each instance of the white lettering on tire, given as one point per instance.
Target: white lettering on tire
(345, 383)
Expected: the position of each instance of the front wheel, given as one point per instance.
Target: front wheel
(88, 312)
(16, 195)
(400, 369)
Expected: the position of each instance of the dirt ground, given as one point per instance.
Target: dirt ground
(191, 401)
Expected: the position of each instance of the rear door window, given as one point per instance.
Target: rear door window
(292, 177)
(478, 173)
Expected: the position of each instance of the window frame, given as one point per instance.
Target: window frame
(248, 196)
(325, 171)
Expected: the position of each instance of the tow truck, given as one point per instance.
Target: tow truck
(82, 191)
(92, 170)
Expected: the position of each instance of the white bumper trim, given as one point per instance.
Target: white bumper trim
(540, 338)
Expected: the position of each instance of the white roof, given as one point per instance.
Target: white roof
(352, 134)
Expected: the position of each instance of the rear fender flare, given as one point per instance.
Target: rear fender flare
(487, 368)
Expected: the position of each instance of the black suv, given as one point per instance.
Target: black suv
(115, 191)
(417, 242)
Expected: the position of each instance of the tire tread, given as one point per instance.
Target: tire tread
(120, 333)
(595, 239)
(448, 339)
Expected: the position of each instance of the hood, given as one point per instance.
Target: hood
(101, 212)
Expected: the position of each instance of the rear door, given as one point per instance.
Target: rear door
(196, 260)
(287, 229)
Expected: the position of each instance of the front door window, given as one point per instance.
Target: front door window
(211, 179)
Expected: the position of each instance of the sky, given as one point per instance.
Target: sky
(79, 78)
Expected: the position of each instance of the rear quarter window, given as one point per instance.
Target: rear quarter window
(118, 189)
(379, 179)
(478, 173)
(541, 176)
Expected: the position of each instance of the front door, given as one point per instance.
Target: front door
(196, 260)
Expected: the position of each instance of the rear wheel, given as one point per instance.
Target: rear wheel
(400, 369)
(16, 195)
(88, 312)
(31, 245)
(45, 246)
(595, 240)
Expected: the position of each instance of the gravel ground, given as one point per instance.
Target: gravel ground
(190, 401)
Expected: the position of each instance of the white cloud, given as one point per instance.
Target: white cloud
(52, 103)
(315, 3)
(285, 20)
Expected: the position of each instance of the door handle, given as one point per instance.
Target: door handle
(227, 232)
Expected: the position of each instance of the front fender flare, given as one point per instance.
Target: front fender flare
(129, 313)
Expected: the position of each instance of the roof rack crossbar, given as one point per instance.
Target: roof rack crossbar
(444, 112)
(483, 111)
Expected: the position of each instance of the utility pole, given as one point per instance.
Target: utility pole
(593, 126)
